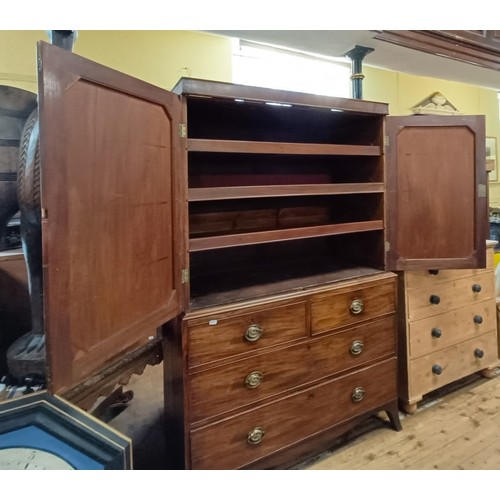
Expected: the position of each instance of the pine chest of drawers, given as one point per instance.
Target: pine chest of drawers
(448, 328)
(269, 381)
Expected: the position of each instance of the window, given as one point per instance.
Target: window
(278, 68)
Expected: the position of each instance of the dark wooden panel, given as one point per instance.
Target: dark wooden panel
(479, 47)
(437, 193)
(110, 167)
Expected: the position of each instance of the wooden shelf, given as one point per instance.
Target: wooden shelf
(239, 192)
(240, 239)
(288, 148)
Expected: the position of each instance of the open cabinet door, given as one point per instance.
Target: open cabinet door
(112, 188)
(437, 199)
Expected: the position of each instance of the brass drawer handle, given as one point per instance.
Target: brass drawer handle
(356, 306)
(358, 394)
(357, 347)
(254, 379)
(256, 435)
(253, 333)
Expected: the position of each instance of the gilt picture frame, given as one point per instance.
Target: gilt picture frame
(491, 159)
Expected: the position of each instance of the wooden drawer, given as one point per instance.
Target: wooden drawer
(418, 279)
(451, 327)
(338, 309)
(226, 387)
(456, 362)
(222, 334)
(451, 295)
(224, 445)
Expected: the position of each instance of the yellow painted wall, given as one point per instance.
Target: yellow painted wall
(158, 57)
(162, 57)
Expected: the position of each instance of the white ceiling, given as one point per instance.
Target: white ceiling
(385, 55)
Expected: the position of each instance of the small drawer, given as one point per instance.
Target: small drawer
(453, 363)
(419, 279)
(343, 308)
(247, 437)
(238, 384)
(437, 332)
(225, 334)
(443, 297)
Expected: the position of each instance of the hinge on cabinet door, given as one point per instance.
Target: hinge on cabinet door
(387, 246)
(185, 276)
(481, 190)
(182, 130)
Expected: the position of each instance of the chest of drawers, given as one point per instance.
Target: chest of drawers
(269, 382)
(448, 328)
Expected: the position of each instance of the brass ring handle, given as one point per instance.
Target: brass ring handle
(358, 394)
(255, 436)
(357, 347)
(254, 379)
(253, 333)
(356, 306)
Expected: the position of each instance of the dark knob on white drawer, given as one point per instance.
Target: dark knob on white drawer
(356, 306)
(476, 288)
(478, 319)
(357, 347)
(255, 436)
(434, 271)
(254, 379)
(436, 333)
(253, 333)
(479, 353)
(358, 394)
(437, 369)
(434, 299)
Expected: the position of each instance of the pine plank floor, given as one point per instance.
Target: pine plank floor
(454, 428)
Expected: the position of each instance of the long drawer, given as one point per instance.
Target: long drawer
(440, 298)
(245, 438)
(225, 334)
(247, 381)
(447, 365)
(437, 332)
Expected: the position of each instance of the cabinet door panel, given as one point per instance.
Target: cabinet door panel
(436, 192)
(110, 158)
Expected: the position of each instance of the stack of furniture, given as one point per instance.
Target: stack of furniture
(259, 229)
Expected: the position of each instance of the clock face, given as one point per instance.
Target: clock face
(31, 458)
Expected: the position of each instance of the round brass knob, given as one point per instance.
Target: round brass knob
(256, 435)
(436, 333)
(476, 288)
(478, 319)
(356, 306)
(437, 369)
(434, 299)
(357, 347)
(253, 379)
(479, 353)
(253, 333)
(358, 394)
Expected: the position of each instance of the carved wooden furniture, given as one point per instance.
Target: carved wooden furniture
(448, 328)
(259, 228)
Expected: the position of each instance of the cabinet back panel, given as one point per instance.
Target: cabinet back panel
(258, 121)
(211, 170)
